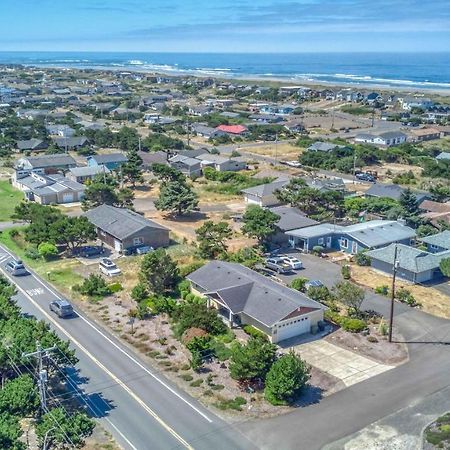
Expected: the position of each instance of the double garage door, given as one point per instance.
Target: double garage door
(296, 327)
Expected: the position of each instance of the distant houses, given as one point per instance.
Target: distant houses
(386, 139)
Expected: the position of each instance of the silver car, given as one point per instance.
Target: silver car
(16, 268)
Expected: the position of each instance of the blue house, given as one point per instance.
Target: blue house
(437, 243)
(353, 238)
(111, 161)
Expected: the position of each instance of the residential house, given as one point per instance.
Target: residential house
(49, 189)
(266, 118)
(437, 243)
(443, 156)
(437, 213)
(327, 184)
(295, 126)
(233, 130)
(325, 147)
(243, 296)
(189, 166)
(70, 143)
(425, 134)
(150, 158)
(289, 219)
(60, 130)
(409, 103)
(205, 131)
(221, 163)
(112, 161)
(124, 230)
(386, 139)
(264, 194)
(393, 191)
(45, 164)
(83, 174)
(200, 111)
(352, 238)
(31, 145)
(413, 265)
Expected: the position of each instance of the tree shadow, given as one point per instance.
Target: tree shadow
(194, 216)
(310, 395)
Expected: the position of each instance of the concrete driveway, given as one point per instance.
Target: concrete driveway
(349, 367)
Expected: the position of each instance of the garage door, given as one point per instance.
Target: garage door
(68, 197)
(298, 326)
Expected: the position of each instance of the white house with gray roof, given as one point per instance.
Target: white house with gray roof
(386, 139)
(243, 296)
(264, 194)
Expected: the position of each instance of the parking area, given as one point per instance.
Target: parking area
(343, 364)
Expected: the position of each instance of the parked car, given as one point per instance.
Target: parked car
(90, 250)
(313, 283)
(62, 308)
(365, 177)
(109, 268)
(277, 265)
(16, 268)
(142, 250)
(293, 262)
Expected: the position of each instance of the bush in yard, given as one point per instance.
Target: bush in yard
(444, 265)
(115, 287)
(349, 294)
(286, 378)
(47, 250)
(362, 259)
(254, 332)
(346, 273)
(382, 290)
(187, 269)
(405, 296)
(299, 284)
(353, 325)
(253, 360)
(198, 315)
(317, 250)
(320, 294)
(93, 286)
(139, 293)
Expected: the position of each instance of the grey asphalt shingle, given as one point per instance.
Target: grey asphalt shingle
(291, 218)
(440, 239)
(264, 189)
(119, 222)
(249, 292)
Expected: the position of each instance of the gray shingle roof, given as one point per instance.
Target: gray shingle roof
(58, 160)
(393, 191)
(291, 218)
(264, 189)
(108, 158)
(410, 258)
(244, 290)
(88, 170)
(119, 222)
(440, 239)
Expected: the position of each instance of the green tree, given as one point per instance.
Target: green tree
(74, 428)
(132, 169)
(93, 286)
(139, 293)
(408, 201)
(349, 294)
(444, 265)
(176, 198)
(99, 193)
(253, 360)
(259, 223)
(299, 284)
(19, 397)
(159, 272)
(211, 238)
(72, 231)
(10, 431)
(286, 378)
(166, 173)
(47, 250)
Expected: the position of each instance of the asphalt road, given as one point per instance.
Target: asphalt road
(140, 408)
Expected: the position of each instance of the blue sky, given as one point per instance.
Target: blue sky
(225, 25)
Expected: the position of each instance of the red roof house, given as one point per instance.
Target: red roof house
(232, 129)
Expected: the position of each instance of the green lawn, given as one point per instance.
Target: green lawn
(9, 198)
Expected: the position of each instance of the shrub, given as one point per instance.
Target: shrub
(32, 253)
(115, 287)
(382, 290)
(186, 377)
(254, 332)
(47, 250)
(93, 286)
(299, 284)
(372, 339)
(405, 296)
(139, 293)
(320, 294)
(160, 304)
(235, 403)
(383, 328)
(353, 325)
(317, 249)
(221, 351)
(197, 382)
(362, 259)
(346, 273)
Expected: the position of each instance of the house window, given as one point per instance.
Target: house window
(138, 240)
(434, 247)
(344, 243)
(320, 241)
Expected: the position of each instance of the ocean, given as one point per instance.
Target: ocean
(402, 70)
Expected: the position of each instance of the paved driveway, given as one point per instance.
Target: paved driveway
(349, 367)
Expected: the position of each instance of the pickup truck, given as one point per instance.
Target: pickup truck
(278, 265)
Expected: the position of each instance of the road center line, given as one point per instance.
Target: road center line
(105, 369)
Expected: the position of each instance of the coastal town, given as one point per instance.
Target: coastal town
(256, 249)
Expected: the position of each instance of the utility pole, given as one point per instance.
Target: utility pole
(276, 147)
(188, 128)
(394, 275)
(40, 353)
(354, 166)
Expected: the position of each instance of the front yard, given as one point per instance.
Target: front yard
(10, 198)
